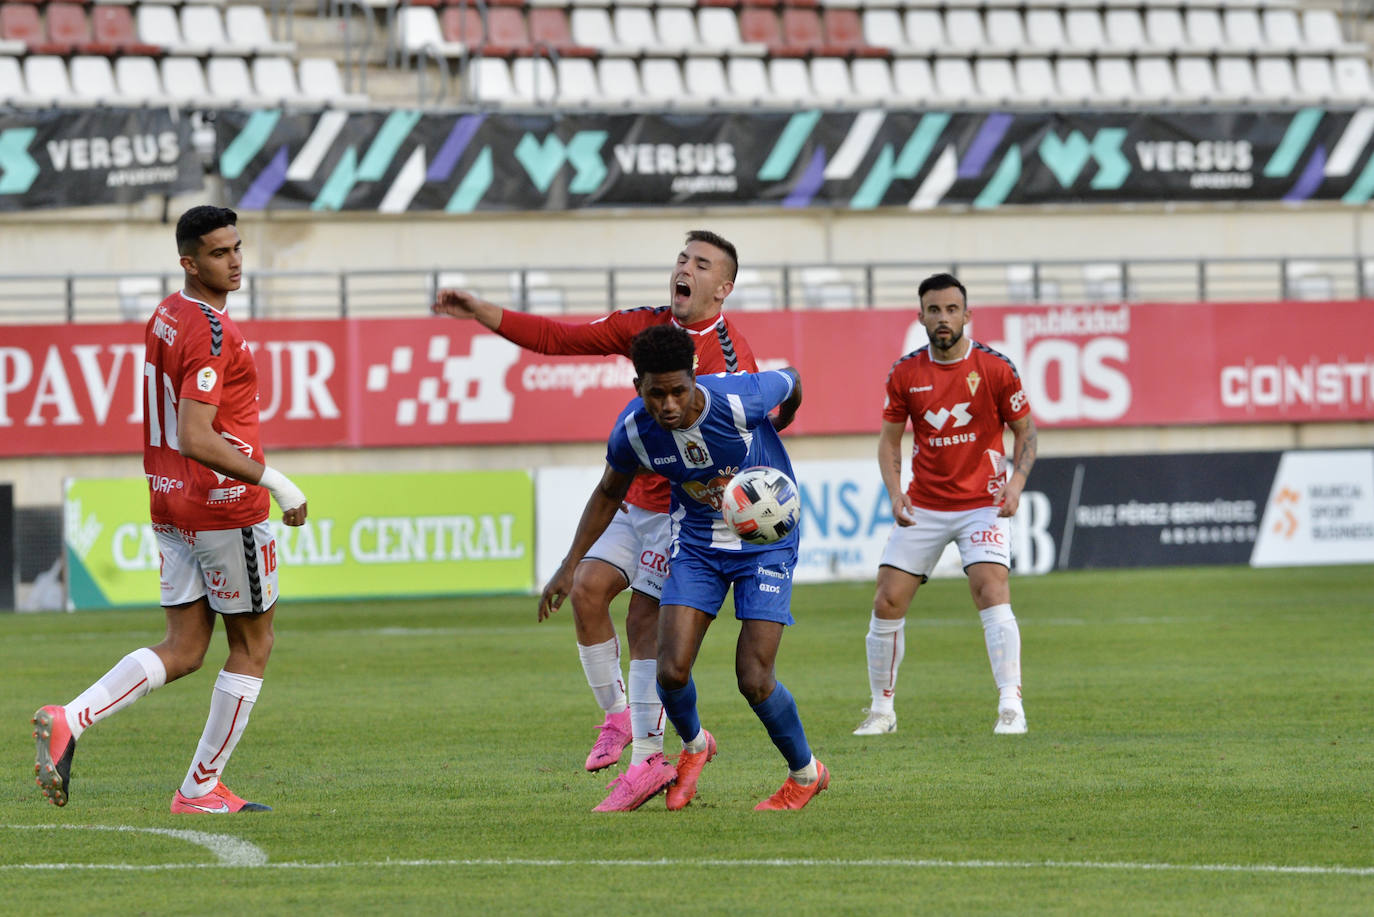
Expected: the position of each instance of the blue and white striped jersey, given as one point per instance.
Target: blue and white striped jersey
(732, 432)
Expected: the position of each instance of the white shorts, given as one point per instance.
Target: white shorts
(236, 569)
(636, 544)
(981, 534)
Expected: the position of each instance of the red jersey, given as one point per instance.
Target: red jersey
(720, 349)
(958, 411)
(195, 351)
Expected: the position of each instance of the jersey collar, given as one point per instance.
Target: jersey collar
(967, 354)
(201, 302)
(704, 326)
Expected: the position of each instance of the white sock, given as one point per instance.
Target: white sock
(601, 663)
(807, 775)
(697, 745)
(230, 704)
(646, 711)
(1003, 639)
(132, 677)
(886, 644)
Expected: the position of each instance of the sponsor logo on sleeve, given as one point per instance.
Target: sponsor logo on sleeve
(206, 379)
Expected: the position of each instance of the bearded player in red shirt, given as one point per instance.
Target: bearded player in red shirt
(208, 484)
(957, 394)
(633, 551)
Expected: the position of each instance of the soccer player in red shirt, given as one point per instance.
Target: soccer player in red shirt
(633, 551)
(208, 484)
(958, 395)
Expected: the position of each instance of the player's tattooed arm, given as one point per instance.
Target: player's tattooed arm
(1024, 445)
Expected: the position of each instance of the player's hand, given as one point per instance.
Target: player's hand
(902, 510)
(555, 592)
(1007, 500)
(294, 516)
(455, 303)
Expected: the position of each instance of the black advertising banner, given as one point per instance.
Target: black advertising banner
(461, 162)
(64, 158)
(1143, 510)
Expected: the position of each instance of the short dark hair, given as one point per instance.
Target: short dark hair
(942, 281)
(662, 349)
(720, 242)
(198, 221)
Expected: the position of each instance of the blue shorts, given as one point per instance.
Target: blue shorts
(699, 578)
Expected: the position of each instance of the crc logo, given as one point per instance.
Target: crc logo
(962, 417)
(543, 159)
(989, 536)
(654, 561)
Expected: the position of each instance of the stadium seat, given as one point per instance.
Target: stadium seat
(882, 28)
(1274, 79)
(1164, 31)
(507, 34)
(826, 288)
(1005, 32)
(207, 26)
(1352, 78)
(533, 291)
(1045, 30)
(618, 78)
(1034, 80)
(591, 27)
(1309, 281)
(844, 34)
(912, 79)
(634, 28)
(533, 77)
(20, 22)
(228, 80)
(1314, 77)
(954, 80)
(964, 29)
(69, 27)
(1196, 79)
(549, 27)
(925, 29)
(1322, 30)
(662, 80)
(995, 80)
(157, 25)
(576, 80)
(1102, 282)
(789, 79)
(47, 80)
(184, 79)
(1074, 77)
(1115, 80)
(1154, 79)
(1123, 30)
(801, 32)
(1204, 28)
(676, 28)
(246, 25)
(138, 81)
(417, 28)
(760, 27)
(720, 32)
(1083, 31)
(1244, 34)
(752, 292)
(1235, 78)
(747, 78)
(872, 80)
(705, 79)
(321, 81)
(274, 79)
(489, 80)
(830, 80)
(1281, 29)
(114, 26)
(93, 79)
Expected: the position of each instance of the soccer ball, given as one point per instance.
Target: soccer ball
(761, 505)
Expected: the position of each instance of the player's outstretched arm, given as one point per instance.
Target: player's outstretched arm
(199, 442)
(787, 411)
(890, 467)
(462, 304)
(1023, 457)
(598, 513)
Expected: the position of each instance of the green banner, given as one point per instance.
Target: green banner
(422, 533)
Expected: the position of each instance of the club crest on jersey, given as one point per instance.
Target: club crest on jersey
(695, 454)
(206, 379)
(973, 379)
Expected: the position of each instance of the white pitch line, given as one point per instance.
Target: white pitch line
(1258, 868)
(230, 851)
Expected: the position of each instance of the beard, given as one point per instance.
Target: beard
(954, 338)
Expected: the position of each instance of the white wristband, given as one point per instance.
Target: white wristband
(287, 495)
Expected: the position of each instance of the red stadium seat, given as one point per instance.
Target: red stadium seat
(801, 28)
(844, 35)
(68, 25)
(504, 35)
(20, 22)
(761, 26)
(549, 27)
(114, 25)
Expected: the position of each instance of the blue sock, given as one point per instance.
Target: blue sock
(681, 707)
(783, 722)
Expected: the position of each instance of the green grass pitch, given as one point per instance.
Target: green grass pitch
(1200, 743)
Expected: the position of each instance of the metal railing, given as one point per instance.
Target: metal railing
(131, 296)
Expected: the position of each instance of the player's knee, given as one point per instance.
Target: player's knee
(888, 607)
(755, 685)
(589, 597)
(673, 674)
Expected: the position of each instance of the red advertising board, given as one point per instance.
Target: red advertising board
(74, 389)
